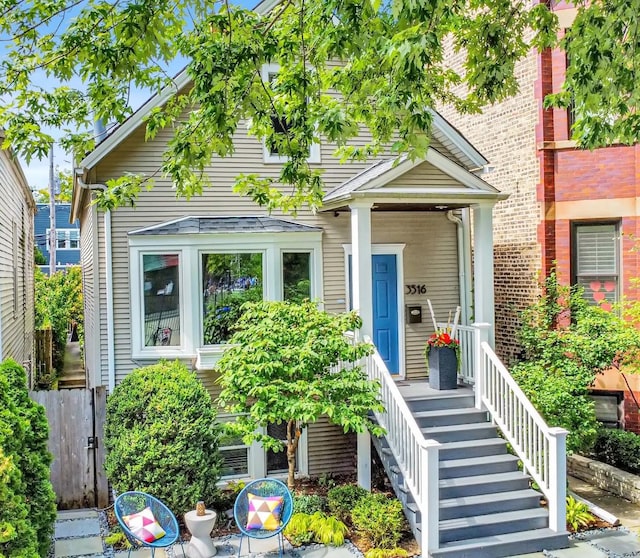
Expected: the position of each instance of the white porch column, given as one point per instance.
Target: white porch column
(362, 302)
(484, 298)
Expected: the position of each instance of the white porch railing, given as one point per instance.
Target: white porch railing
(416, 457)
(541, 449)
(466, 336)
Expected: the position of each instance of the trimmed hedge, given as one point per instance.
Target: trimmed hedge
(162, 437)
(27, 500)
(618, 448)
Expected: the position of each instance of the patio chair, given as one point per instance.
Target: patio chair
(146, 521)
(262, 510)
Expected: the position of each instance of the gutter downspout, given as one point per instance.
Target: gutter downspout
(111, 367)
(462, 224)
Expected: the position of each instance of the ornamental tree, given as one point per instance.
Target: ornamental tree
(93, 55)
(280, 368)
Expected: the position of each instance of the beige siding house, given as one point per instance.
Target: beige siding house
(161, 277)
(16, 262)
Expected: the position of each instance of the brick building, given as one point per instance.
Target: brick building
(574, 207)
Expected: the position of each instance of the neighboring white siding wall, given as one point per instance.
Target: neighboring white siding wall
(89, 253)
(16, 262)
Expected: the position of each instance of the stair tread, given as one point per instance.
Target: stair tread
(451, 395)
(491, 497)
(484, 542)
(482, 479)
(474, 443)
(469, 461)
(457, 427)
(492, 518)
(447, 412)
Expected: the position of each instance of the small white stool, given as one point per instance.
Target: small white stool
(200, 527)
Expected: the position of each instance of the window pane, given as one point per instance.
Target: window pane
(596, 262)
(277, 461)
(296, 276)
(235, 455)
(161, 300)
(228, 281)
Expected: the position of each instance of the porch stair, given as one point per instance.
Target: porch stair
(486, 506)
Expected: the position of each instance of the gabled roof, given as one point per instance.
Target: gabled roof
(372, 182)
(442, 130)
(209, 225)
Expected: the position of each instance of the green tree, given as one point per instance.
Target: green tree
(59, 304)
(279, 370)
(567, 343)
(395, 72)
(65, 182)
(27, 501)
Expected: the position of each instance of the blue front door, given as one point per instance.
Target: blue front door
(385, 309)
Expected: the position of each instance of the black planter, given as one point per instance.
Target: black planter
(443, 368)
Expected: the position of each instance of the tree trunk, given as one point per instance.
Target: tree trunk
(293, 437)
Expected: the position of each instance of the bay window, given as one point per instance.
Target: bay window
(187, 289)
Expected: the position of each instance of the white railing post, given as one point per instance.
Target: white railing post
(558, 479)
(481, 334)
(430, 492)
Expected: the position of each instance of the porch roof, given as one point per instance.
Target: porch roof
(374, 183)
(241, 224)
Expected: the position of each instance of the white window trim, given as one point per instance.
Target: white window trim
(190, 250)
(396, 250)
(138, 349)
(67, 239)
(271, 158)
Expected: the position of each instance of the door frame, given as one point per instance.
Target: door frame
(396, 250)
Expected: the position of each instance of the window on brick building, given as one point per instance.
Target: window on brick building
(596, 261)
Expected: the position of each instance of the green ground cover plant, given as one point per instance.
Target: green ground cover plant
(309, 503)
(305, 528)
(162, 436)
(342, 499)
(379, 520)
(27, 500)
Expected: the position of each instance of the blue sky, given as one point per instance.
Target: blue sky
(37, 172)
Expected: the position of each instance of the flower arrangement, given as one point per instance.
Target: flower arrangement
(443, 336)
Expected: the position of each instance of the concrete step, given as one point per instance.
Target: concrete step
(484, 465)
(66, 383)
(463, 528)
(482, 504)
(444, 417)
(472, 448)
(507, 544)
(444, 401)
(482, 484)
(459, 432)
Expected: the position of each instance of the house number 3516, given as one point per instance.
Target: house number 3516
(416, 289)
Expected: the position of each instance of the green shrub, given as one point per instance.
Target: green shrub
(304, 528)
(578, 514)
(58, 303)
(618, 448)
(161, 436)
(386, 553)
(342, 499)
(309, 503)
(379, 520)
(561, 401)
(27, 501)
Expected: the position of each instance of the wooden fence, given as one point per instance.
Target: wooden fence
(76, 423)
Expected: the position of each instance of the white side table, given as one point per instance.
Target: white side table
(200, 527)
